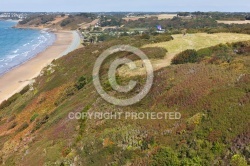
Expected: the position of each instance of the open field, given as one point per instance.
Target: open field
(234, 22)
(160, 17)
(132, 18)
(166, 16)
(182, 43)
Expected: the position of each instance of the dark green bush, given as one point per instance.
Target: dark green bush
(40, 122)
(188, 56)
(165, 157)
(25, 89)
(81, 82)
(8, 102)
(65, 22)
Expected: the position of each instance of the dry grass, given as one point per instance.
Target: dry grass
(166, 16)
(132, 18)
(181, 43)
(234, 22)
(160, 17)
(87, 25)
(58, 19)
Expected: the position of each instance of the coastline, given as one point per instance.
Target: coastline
(16, 79)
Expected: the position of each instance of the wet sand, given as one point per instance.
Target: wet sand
(16, 79)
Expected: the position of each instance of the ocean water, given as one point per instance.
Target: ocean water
(19, 45)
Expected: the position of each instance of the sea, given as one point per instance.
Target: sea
(17, 46)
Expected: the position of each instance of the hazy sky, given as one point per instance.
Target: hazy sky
(128, 5)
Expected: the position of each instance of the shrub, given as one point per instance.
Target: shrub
(40, 122)
(82, 81)
(65, 22)
(8, 102)
(155, 52)
(34, 117)
(238, 160)
(25, 89)
(161, 38)
(187, 56)
(165, 156)
(145, 36)
(23, 127)
(13, 125)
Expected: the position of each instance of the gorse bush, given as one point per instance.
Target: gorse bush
(165, 156)
(65, 22)
(188, 56)
(81, 82)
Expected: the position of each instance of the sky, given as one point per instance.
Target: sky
(128, 5)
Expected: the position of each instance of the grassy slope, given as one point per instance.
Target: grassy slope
(213, 100)
(198, 41)
(72, 24)
(191, 41)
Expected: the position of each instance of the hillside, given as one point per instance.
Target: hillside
(58, 22)
(212, 94)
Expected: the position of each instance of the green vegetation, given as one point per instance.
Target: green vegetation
(188, 56)
(43, 19)
(222, 53)
(166, 157)
(81, 83)
(211, 92)
(23, 127)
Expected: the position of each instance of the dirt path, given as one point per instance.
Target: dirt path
(93, 23)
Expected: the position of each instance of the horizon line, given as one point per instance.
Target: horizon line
(123, 11)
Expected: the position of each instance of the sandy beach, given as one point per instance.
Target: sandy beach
(16, 79)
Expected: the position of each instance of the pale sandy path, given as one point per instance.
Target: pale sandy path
(16, 79)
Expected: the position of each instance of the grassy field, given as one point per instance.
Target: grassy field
(198, 41)
(181, 43)
(160, 17)
(234, 22)
(166, 16)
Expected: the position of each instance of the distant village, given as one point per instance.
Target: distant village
(13, 16)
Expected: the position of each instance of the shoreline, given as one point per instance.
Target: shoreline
(17, 78)
(48, 44)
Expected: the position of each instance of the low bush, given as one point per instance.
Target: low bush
(8, 102)
(34, 117)
(13, 125)
(188, 56)
(40, 122)
(23, 127)
(82, 81)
